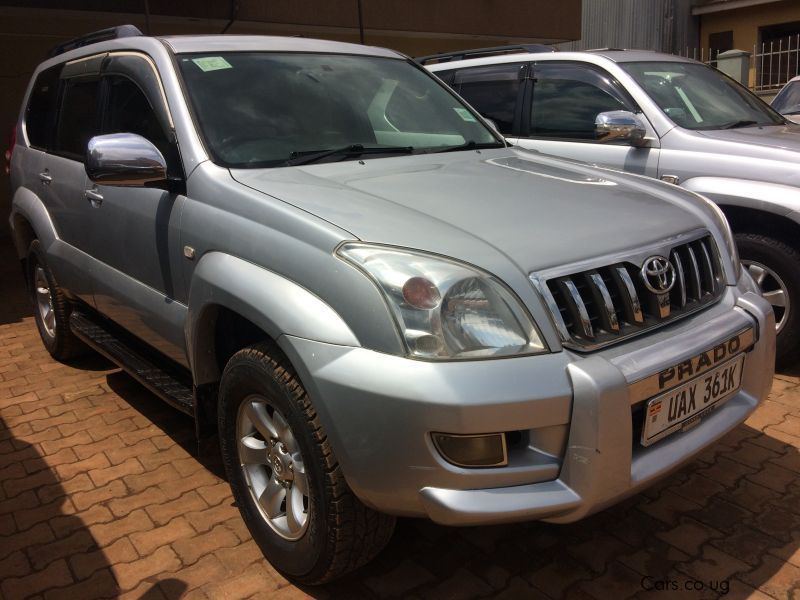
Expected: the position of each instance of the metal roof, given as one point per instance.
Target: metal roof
(623, 56)
(262, 43)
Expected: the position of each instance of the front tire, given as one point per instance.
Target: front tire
(776, 268)
(51, 308)
(284, 475)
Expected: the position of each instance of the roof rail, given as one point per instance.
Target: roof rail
(478, 52)
(103, 35)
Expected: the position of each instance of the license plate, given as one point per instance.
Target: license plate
(684, 406)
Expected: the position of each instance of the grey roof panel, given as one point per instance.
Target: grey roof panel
(622, 56)
(255, 43)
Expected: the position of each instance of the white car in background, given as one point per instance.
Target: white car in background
(787, 101)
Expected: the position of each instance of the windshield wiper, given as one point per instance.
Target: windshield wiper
(470, 145)
(304, 157)
(737, 124)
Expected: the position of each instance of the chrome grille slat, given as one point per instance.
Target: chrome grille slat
(579, 312)
(599, 306)
(630, 299)
(681, 279)
(608, 316)
(708, 270)
(694, 273)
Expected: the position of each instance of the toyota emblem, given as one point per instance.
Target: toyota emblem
(658, 275)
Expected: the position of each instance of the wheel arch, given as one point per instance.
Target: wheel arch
(750, 220)
(29, 220)
(228, 294)
(754, 206)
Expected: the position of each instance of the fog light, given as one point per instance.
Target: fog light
(484, 450)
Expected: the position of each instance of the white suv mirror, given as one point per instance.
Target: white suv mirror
(124, 159)
(618, 126)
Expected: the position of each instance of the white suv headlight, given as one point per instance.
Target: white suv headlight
(444, 309)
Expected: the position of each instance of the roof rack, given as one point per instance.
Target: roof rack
(103, 35)
(478, 52)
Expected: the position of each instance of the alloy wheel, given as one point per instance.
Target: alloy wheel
(273, 467)
(44, 301)
(773, 289)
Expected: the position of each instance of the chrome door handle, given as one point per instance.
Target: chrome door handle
(95, 197)
(45, 178)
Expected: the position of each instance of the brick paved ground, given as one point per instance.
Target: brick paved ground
(100, 496)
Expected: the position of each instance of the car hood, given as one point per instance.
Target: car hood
(535, 210)
(773, 138)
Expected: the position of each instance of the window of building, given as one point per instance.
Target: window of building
(776, 58)
(721, 41)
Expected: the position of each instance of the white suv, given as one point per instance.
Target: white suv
(662, 116)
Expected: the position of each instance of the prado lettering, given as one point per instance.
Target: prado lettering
(698, 364)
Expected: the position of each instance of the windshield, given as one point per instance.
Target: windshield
(787, 101)
(265, 109)
(696, 96)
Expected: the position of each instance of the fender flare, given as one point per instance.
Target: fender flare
(274, 303)
(28, 206)
(776, 198)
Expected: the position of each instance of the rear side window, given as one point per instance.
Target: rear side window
(77, 121)
(492, 91)
(40, 113)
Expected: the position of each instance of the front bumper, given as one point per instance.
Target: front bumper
(379, 410)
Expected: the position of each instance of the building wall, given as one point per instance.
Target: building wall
(662, 25)
(745, 24)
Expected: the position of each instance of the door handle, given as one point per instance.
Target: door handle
(95, 197)
(45, 177)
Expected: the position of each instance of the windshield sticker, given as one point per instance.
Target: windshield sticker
(212, 63)
(465, 114)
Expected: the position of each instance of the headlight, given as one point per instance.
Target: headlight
(721, 221)
(445, 309)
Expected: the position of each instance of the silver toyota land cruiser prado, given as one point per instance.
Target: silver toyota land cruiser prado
(342, 272)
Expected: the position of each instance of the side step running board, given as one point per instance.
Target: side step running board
(160, 382)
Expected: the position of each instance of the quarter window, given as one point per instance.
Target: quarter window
(78, 117)
(492, 91)
(40, 114)
(567, 99)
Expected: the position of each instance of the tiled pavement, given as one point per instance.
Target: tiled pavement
(101, 496)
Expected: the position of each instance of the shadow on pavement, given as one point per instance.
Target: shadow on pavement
(16, 304)
(727, 522)
(174, 423)
(724, 525)
(43, 548)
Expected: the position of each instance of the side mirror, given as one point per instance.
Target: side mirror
(620, 126)
(124, 159)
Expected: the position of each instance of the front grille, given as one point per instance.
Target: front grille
(600, 306)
